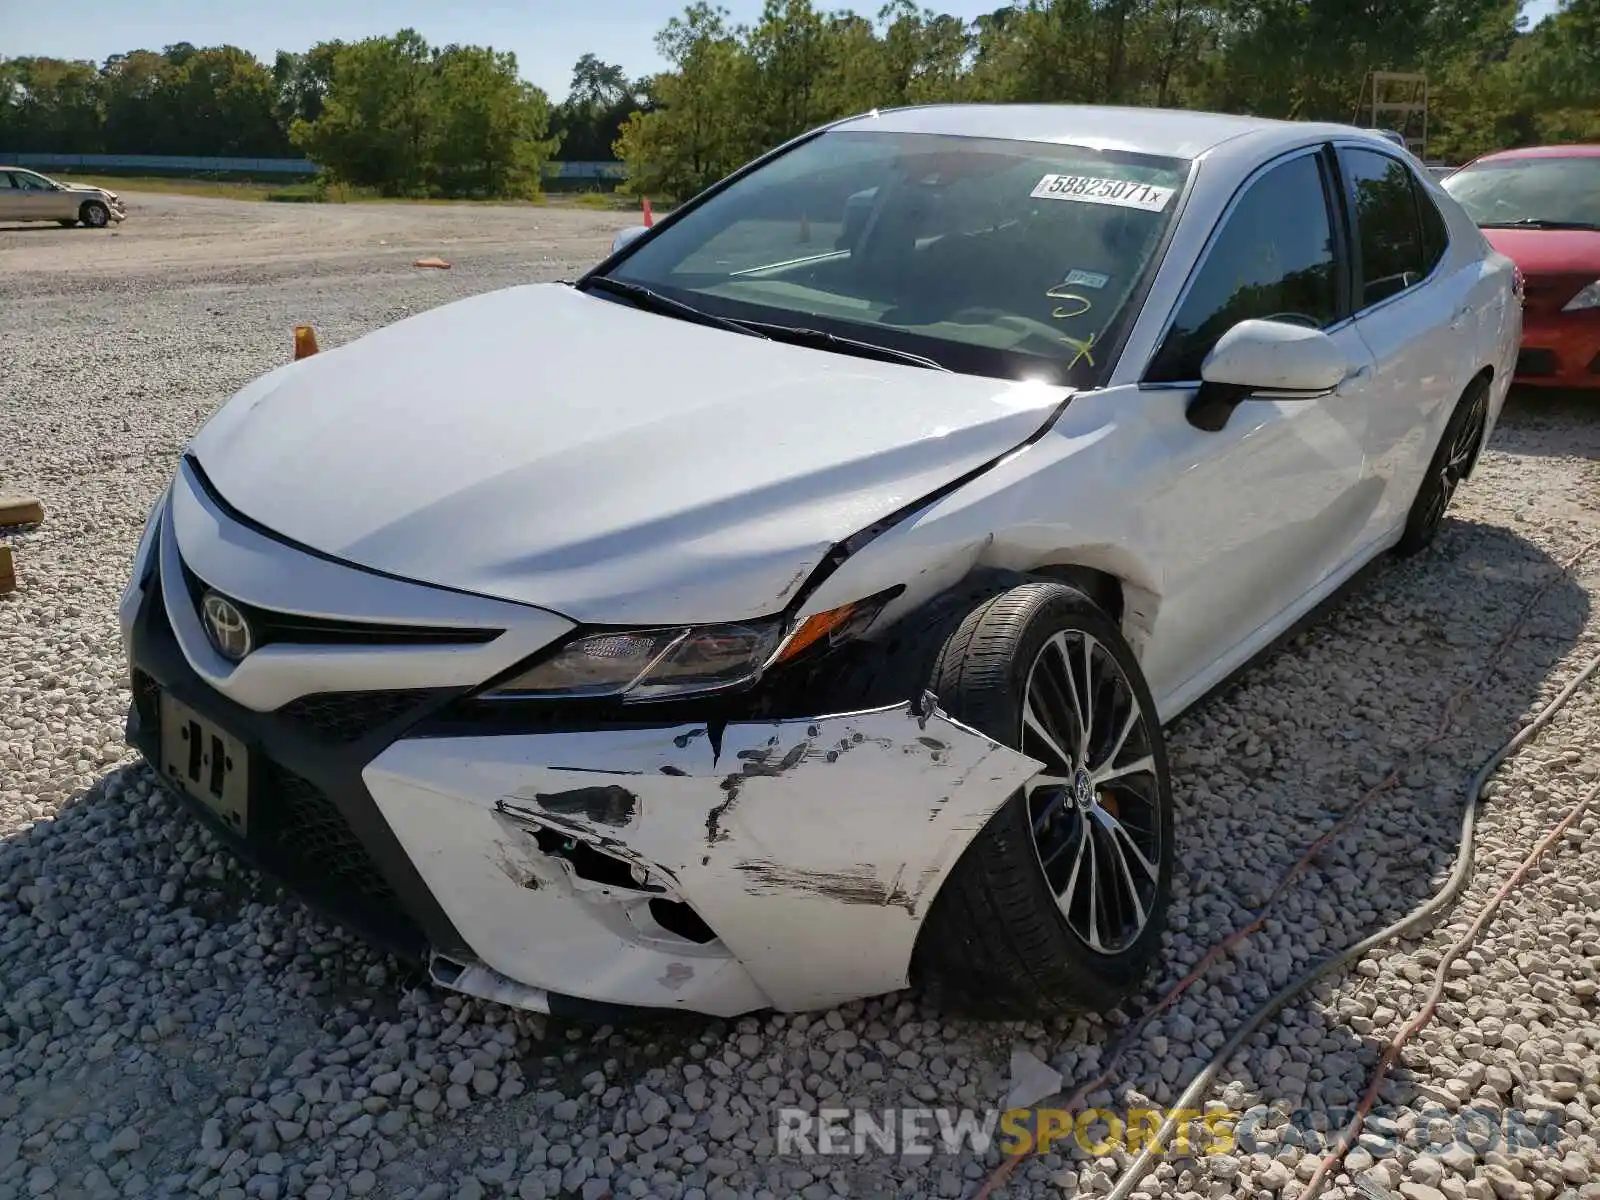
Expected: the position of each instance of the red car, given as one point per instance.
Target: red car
(1540, 207)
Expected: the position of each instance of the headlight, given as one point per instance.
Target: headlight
(651, 664)
(1588, 298)
(658, 664)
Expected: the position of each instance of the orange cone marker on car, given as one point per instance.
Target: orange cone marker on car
(305, 342)
(649, 217)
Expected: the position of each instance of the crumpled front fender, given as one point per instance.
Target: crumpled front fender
(812, 849)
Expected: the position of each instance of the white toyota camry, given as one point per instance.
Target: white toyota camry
(789, 610)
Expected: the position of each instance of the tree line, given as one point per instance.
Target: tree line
(389, 113)
(732, 91)
(398, 115)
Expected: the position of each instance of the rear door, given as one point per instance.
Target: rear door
(1246, 520)
(1414, 315)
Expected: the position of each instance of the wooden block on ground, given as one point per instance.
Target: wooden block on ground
(20, 510)
(8, 571)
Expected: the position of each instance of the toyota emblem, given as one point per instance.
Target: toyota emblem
(226, 627)
(1083, 791)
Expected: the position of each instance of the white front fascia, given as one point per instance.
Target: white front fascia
(246, 565)
(812, 847)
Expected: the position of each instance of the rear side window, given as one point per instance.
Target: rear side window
(1274, 257)
(1396, 249)
(1435, 237)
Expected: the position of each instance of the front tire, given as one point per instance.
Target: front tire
(94, 214)
(1452, 461)
(1057, 906)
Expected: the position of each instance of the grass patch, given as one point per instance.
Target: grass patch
(223, 189)
(321, 191)
(601, 201)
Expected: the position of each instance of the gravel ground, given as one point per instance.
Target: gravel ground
(170, 1025)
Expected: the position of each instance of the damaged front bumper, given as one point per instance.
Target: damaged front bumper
(718, 867)
(785, 864)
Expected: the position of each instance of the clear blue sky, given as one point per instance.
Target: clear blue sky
(548, 36)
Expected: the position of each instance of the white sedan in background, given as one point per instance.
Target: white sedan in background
(29, 196)
(789, 610)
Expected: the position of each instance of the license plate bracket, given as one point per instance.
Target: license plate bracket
(206, 762)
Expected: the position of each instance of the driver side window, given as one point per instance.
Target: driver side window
(1274, 257)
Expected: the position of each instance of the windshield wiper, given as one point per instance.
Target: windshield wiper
(649, 298)
(1538, 223)
(821, 339)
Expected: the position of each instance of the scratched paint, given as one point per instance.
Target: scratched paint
(610, 804)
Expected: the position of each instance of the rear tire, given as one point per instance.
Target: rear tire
(94, 214)
(1452, 461)
(1057, 906)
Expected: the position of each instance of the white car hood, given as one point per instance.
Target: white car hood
(560, 449)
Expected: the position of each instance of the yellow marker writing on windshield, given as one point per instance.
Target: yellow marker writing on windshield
(1083, 346)
(1076, 305)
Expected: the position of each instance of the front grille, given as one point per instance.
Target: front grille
(269, 626)
(1536, 362)
(316, 846)
(350, 716)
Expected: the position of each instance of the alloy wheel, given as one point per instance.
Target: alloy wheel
(1094, 809)
(1457, 459)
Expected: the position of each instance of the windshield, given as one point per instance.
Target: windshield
(1530, 191)
(992, 257)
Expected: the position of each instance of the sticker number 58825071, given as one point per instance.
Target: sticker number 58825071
(1091, 189)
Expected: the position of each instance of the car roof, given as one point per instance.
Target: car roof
(1575, 151)
(1177, 133)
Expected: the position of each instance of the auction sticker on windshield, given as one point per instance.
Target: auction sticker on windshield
(1091, 189)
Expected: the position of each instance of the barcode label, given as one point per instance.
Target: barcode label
(1090, 189)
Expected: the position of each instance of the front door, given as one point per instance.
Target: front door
(41, 200)
(1250, 518)
(13, 200)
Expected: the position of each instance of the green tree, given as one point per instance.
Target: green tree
(590, 119)
(51, 105)
(376, 117)
(700, 126)
(487, 136)
(407, 119)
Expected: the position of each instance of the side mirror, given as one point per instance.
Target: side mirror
(626, 236)
(1264, 357)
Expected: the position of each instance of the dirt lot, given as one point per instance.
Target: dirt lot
(182, 233)
(171, 1025)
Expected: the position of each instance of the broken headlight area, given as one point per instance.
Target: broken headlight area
(663, 664)
(649, 664)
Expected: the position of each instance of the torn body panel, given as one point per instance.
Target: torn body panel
(811, 848)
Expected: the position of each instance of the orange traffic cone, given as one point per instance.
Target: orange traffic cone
(649, 217)
(305, 342)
